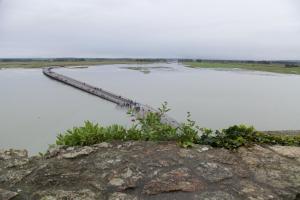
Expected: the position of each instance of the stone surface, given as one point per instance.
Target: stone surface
(116, 182)
(121, 196)
(72, 153)
(148, 170)
(7, 195)
(54, 151)
(290, 152)
(103, 145)
(216, 195)
(13, 158)
(83, 194)
(173, 181)
(12, 153)
(14, 176)
(213, 172)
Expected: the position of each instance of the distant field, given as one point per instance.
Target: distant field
(40, 64)
(276, 68)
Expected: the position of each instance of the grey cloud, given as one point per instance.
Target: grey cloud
(232, 29)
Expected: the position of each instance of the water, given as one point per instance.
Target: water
(34, 108)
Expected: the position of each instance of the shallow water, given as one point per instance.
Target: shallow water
(34, 108)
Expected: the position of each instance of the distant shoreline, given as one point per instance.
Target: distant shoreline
(263, 66)
(29, 64)
(283, 67)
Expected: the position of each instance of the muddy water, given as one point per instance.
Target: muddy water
(34, 109)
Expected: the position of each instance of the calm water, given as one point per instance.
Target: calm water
(34, 109)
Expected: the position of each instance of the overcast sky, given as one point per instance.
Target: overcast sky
(223, 29)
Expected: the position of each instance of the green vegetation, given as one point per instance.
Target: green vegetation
(146, 70)
(141, 69)
(287, 67)
(150, 128)
(241, 135)
(255, 66)
(4, 63)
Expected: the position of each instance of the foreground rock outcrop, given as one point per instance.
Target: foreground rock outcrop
(147, 170)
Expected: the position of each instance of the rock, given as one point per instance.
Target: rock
(186, 153)
(213, 172)
(287, 151)
(254, 191)
(13, 158)
(121, 196)
(103, 145)
(173, 181)
(215, 195)
(157, 187)
(203, 148)
(98, 185)
(152, 170)
(84, 194)
(125, 178)
(116, 182)
(274, 170)
(14, 176)
(107, 160)
(13, 154)
(16, 162)
(54, 151)
(7, 195)
(81, 152)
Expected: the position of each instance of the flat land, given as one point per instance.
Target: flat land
(48, 63)
(273, 67)
(276, 68)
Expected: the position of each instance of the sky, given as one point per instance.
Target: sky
(207, 29)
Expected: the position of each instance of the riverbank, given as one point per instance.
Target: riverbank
(64, 63)
(150, 170)
(274, 68)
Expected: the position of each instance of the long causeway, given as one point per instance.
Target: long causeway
(140, 109)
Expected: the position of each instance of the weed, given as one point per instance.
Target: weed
(150, 128)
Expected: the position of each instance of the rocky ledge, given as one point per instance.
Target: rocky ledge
(147, 170)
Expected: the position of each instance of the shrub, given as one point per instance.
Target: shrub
(242, 135)
(150, 128)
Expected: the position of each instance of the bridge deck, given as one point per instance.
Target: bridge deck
(139, 108)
